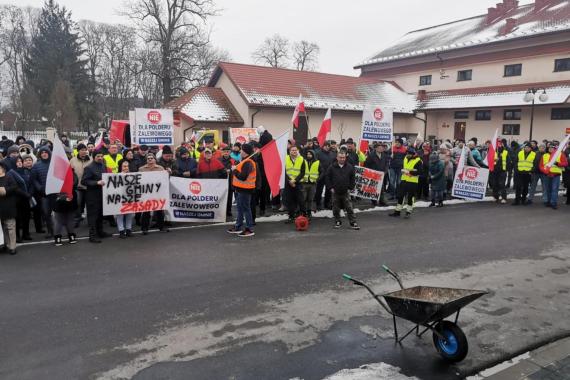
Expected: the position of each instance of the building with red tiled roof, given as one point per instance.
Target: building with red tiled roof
(240, 95)
(471, 76)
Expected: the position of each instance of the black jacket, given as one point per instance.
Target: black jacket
(342, 180)
(92, 174)
(265, 138)
(8, 209)
(326, 159)
(377, 163)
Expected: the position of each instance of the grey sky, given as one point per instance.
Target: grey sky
(346, 34)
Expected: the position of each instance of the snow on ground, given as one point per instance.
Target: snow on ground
(377, 371)
(499, 367)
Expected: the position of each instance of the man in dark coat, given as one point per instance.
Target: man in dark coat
(378, 160)
(341, 180)
(39, 179)
(326, 157)
(93, 181)
(8, 209)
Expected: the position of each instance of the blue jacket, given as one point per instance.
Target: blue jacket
(189, 165)
(40, 172)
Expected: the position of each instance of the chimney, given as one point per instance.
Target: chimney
(422, 95)
(501, 9)
(492, 14)
(509, 27)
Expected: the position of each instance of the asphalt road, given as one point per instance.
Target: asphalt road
(201, 304)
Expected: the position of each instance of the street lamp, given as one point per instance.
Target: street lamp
(530, 96)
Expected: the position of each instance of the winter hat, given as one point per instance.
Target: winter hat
(398, 140)
(143, 148)
(247, 148)
(411, 150)
(12, 149)
(166, 149)
(350, 141)
(182, 151)
(81, 146)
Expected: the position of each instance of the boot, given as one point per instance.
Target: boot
(57, 240)
(102, 234)
(93, 236)
(440, 204)
(395, 214)
(432, 204)
(72, 238)
(129, 233)
(122, 235)
(407, 216)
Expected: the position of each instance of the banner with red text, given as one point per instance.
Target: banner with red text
(130, 193)
(243, 135)
(368, 183)
(198, 200)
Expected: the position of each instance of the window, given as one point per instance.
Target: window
(462, 115)
(511, 129)
(483, 115)
(512, 115)
(562, 64)
(513, 70)
(464, 75)
(425, 80)
(560, 114)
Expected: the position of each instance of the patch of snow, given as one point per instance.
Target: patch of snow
(377, 371)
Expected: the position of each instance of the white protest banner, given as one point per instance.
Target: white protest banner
(153, 127)
(470, 183)
(198, 200)
(243, 135)
(130, 193)
(377, 124)
(368, 183)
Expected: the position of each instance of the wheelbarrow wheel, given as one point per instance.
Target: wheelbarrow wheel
(454, 347)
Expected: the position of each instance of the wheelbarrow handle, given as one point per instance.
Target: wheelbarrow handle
(393, 274)
(377, 297)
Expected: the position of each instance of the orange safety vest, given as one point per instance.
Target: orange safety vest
(249, 183)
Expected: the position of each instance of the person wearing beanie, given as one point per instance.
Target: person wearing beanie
(39, 179)
(341, 179)
(146, 217)
(78, 164)
(552, 174)
(228, 162)
(294, 173)
(93, 182)
(437, 178)
(410, 178)
(210, 167)
(523, 167)
(8, 209)
(396, 164)
(244, 183)
(236, 152)
(186, 166)
(264, 137)
(13, 151)
(313, 172)
(64, 212)
(167, 160)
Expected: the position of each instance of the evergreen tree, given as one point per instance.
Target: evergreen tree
(55, 56)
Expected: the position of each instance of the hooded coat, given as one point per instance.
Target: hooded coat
(40, 171)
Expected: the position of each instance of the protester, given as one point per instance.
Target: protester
(152, 166)
(25, 202)
(125, 221)
(39, 180)
(78, 164)
(236, 152)
(398, 155)
(167, 160)
(437, 179)
(309, 182)
(537, 175)
(264, 136)
(341, 180)
(326, 157)
(294, 172)
(498, 176)
(8, 207)
(93, 182)
(378, 160)
(64, 215)
(523, 168)
(112, 158)
(209, 167)
(412, 167)
(228, 163)
(244, 184)
(186, 166)
(129, 156)
(424, 179)
(552, 175)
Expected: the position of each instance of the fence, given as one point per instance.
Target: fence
(36, 135)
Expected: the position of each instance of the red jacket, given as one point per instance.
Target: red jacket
(211, 169)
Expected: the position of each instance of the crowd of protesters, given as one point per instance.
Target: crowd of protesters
(317, 177)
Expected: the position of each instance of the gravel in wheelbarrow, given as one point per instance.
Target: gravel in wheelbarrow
(425, 304)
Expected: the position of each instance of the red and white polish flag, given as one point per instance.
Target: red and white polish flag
(492, 153)
(326, 128)
(273, 155)
(298, 109)
(60, 174)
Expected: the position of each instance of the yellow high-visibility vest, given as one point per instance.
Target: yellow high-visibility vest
(312, 172)
(554, 169)
(504, 157)
(293, 169)
(409, 165)
(526, 164)
(111, 164)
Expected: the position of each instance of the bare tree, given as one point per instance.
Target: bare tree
(93, 41)
(274, 52)
(176, 29)
(306, 55)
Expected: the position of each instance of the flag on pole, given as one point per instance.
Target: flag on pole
(298, 109)
(60, 174)
(99, 142)
(326, 128)
(492, 153)
(559, 151)
(273, 155)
